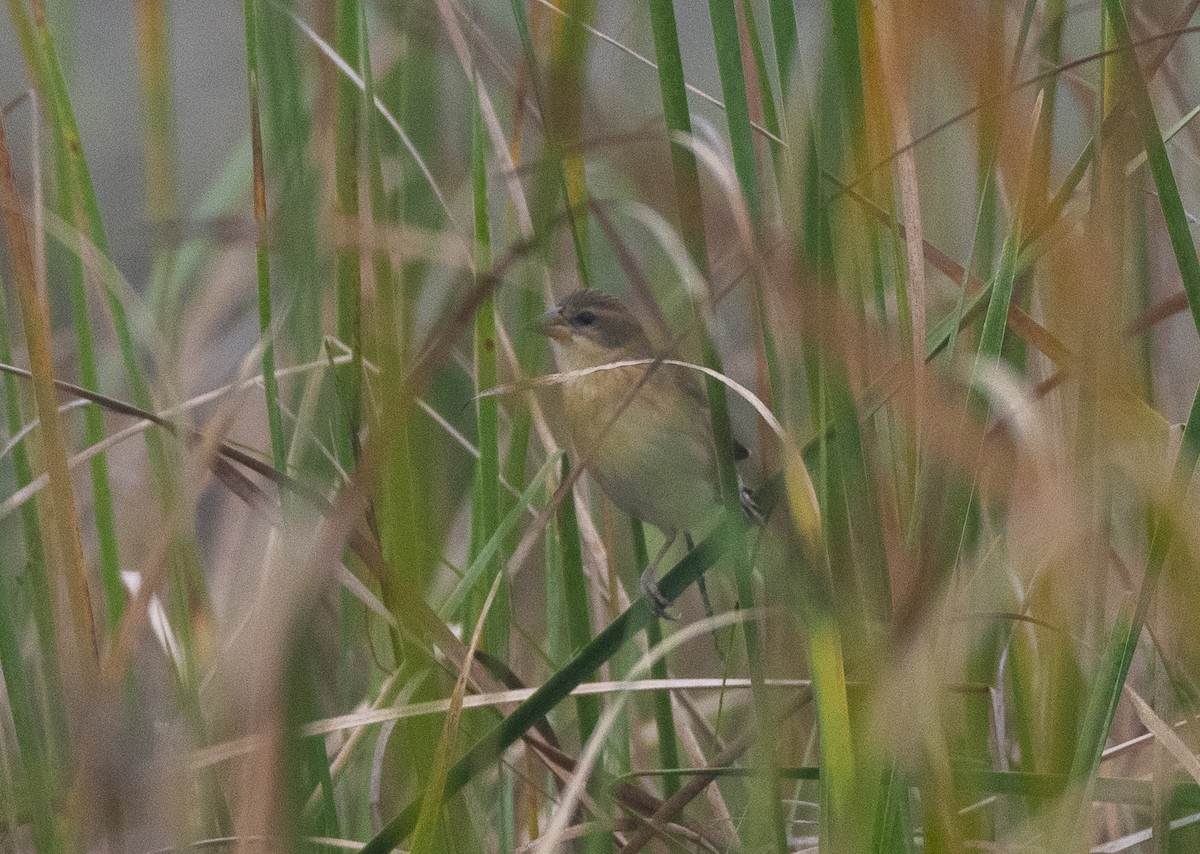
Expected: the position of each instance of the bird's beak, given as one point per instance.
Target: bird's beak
(555, 326)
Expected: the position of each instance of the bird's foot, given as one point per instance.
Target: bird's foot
(648, 587)
(750, 506)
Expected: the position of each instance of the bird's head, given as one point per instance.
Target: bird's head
(589, 328)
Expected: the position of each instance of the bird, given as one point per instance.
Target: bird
(643, 431)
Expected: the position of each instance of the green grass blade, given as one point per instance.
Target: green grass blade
(347, 131)
(564, 105)
(39, 598)
(262, 258)
(727, 42)
(288, 130)
(1160, 165)
(575, 594)
(784, 32)
(1097, 721)
(37, 768)
(664, 720)
(37, 761)
(485, 521)
(494, 546)
(673, 90)
(770, 111)
(995, 320)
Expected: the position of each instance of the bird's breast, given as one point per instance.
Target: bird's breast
(654, 457)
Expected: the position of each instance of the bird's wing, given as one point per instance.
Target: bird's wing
(696, 394)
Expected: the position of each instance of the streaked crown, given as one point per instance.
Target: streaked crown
(599, 318)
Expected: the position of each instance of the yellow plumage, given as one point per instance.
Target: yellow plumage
(650, 450)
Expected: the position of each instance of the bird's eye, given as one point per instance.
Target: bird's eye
(585, 318)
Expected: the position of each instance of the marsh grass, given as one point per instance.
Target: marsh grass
(935, 264)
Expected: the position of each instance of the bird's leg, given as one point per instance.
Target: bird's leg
(750, 505)
(648, 586)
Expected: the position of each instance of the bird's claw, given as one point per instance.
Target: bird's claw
(658, 603)
(750, 506)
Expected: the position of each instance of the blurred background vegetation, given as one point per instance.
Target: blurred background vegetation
(294, 557)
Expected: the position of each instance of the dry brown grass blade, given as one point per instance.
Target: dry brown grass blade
(1160, 311)
(60, 526)
(895, 67)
